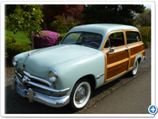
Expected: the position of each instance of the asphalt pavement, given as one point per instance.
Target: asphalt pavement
(132, 98)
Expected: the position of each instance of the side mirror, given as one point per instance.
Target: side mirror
(111, 49)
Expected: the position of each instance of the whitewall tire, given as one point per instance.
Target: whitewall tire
(80, 95)
(134, 71)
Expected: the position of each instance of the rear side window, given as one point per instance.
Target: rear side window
(132, 37)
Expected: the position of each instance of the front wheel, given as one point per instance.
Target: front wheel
(80, 94)
(133, 72)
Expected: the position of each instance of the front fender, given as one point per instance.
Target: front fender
(70, 72)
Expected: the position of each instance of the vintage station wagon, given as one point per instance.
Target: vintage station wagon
(88, 57)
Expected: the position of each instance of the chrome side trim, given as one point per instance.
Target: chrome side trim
(37, 78)
(99, 76)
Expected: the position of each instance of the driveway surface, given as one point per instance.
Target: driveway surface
(132, 98)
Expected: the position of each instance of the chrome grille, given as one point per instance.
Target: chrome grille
(20, 74)
(29, 80)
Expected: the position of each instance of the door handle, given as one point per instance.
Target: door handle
(126, 49)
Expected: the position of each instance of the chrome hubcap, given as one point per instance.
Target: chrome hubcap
(80, 94)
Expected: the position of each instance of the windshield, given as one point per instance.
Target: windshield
(92, 40)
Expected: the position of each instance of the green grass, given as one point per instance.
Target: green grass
(19, 37)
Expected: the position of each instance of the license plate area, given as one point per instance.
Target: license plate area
(21, 90)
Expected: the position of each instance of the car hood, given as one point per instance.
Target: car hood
(41, 61)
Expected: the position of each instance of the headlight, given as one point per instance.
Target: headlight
(52, 75)
(14, 62)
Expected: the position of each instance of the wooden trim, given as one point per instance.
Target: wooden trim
(112, 71)
(117, 63)
(124, 34)
(115, 68)
(135, 44)
(109, 35)
(133, 31)
(137, 53)
(117, 56)
(137, 49)
(132, 61)
(116, 76)
(143, 53)
(130, 68)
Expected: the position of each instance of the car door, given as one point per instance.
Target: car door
(116, 55)
(135, 45)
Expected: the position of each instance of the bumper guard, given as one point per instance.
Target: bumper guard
(42, 98)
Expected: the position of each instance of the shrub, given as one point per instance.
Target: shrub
(145, 33)
(8, 40)
(46, 39)
(16, 48)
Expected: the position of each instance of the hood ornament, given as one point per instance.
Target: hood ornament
(29, 54)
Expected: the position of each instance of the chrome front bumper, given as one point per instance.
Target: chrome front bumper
(42, 98)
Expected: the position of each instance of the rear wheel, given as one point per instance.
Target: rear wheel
(134, 71)
(80, 94)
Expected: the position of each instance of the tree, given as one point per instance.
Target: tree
(144, 19)
(26, 19)
(121, 14)
(9, 9)
(51, 11)
(62, 24)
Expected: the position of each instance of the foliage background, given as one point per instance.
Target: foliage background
(24, 20)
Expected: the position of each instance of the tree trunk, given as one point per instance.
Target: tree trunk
(32, 41)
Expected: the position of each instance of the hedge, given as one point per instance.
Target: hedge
(8, 40)
(16, 48)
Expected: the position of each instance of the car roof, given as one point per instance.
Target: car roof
(102, 29)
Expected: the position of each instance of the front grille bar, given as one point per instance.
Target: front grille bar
(37, 78)
(58, 92)
(33, 77)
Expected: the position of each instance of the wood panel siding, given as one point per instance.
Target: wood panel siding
(115, 70)
(132, 62)
(137, 49)
(117, 56)
(144, 53)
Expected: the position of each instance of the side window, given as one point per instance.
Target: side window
(115, 40)
(132, 37)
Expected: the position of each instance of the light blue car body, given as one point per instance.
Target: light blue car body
(71, 62)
